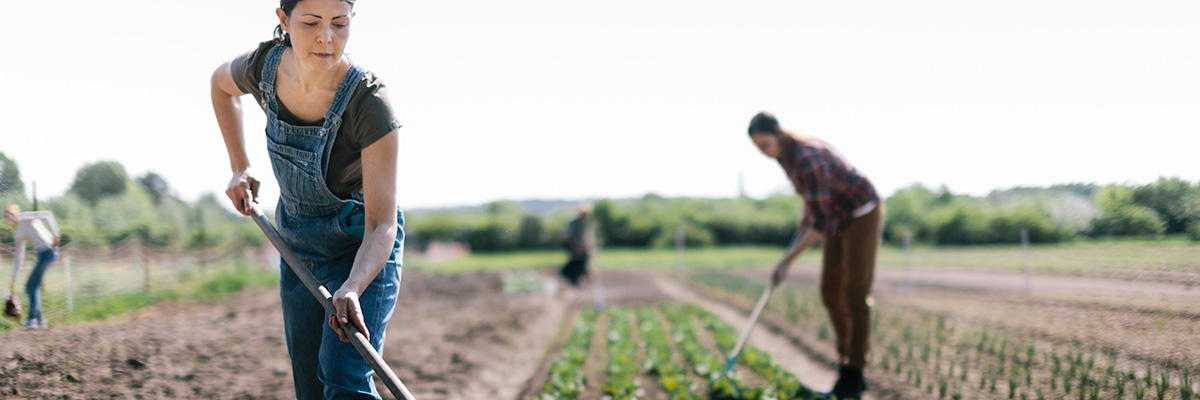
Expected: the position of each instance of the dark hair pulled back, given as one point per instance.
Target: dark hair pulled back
(764, 123)
(288, 6)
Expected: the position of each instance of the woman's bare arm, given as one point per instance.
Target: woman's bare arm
(379, 199)
(242, 188)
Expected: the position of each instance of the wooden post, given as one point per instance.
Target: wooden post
(679, 245)
(70, 289)
(202, 254)
(907, 244)
(140, 253)
(1025, 259)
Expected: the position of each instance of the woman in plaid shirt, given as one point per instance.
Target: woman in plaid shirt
(841, 207)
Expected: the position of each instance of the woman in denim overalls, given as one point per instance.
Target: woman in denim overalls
(352, 245)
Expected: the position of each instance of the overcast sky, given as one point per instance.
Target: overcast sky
(573, 99)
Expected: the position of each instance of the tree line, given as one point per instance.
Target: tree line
(105, 206)
(1055, 214)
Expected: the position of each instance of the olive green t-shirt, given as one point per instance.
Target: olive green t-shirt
(368, 117)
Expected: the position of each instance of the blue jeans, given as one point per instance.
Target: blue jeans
(322, 365)
(34, 285)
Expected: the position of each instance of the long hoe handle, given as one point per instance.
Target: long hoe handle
(360, 342)
(758, 308)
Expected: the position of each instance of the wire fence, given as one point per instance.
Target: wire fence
(87, 281)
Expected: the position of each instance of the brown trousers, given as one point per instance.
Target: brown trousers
(846, 276)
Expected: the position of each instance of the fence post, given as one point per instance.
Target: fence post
(140, 253)
(1025, 259)
(70, 289)
(679, 244)
(907, 243)
(202, 254)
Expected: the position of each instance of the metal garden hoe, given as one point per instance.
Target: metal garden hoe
(356, 337)
(758, 308)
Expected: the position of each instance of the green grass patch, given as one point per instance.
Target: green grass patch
(1079, 258)
(116, 305)
(620, 258)
(217, 282)
(232, 281)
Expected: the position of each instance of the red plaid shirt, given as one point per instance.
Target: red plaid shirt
(832, 189)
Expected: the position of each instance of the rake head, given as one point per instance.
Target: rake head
(12, 305)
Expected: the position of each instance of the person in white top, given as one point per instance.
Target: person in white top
(41, 231)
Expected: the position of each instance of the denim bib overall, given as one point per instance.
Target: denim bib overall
(326, 232)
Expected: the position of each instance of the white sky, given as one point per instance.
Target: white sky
(615, 98)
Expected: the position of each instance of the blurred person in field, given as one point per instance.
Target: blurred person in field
(39, 229)
(332, 138)
(842, 209)
(575, 239)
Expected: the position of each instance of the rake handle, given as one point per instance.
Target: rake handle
(360, 342)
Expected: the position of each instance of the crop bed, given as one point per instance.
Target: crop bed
(676, 351)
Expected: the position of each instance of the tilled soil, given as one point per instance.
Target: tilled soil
(460, 337)
(451, 337)
(1147, 320)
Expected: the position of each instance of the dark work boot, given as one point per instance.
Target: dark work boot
(850, 384)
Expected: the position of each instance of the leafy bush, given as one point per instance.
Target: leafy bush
(100, 179)
(1120, 216)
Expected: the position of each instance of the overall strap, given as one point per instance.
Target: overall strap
(267, 83)
(333, 116)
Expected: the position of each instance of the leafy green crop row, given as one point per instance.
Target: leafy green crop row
(650, 350)
(622, 368)
(659, 360)
(566, 380)
(760, 362)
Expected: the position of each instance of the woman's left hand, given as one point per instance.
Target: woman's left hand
(345, 301)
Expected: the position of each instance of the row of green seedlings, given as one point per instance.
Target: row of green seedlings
(705, 362)
(566, 380)
(622, 367)
(660, 361)
(779, 379)
(963, 363)
(780, 384)
(984, 364)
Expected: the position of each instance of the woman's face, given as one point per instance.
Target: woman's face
(767, 143)
(10, 218)
(318, 30)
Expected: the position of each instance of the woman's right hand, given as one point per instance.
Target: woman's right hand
(242, 190)
(780, 273)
